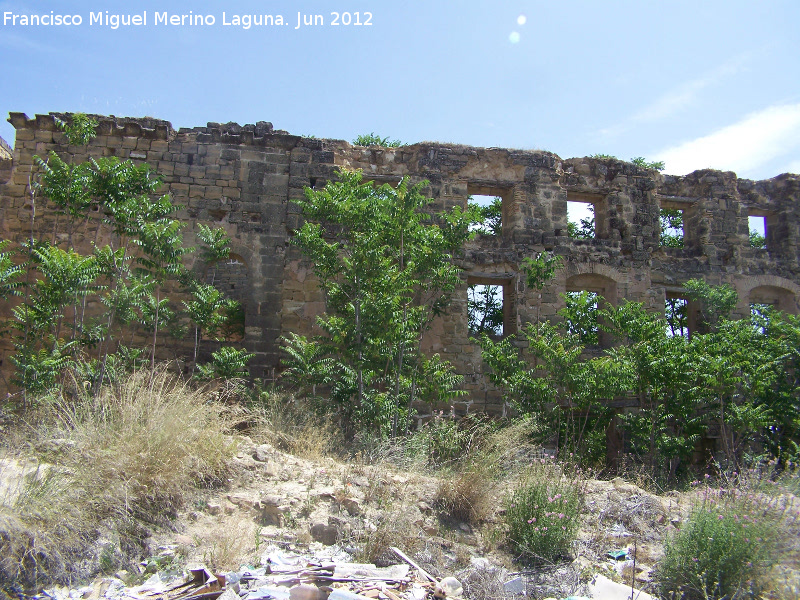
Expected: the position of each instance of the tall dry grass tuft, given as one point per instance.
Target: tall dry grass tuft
(295, 426)
(225, 544)
(467, 495)
(394, 528)
(122, 461)
(468, 492)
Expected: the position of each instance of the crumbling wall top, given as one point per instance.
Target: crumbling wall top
(5, 150)
(6, 154)
(143, 127)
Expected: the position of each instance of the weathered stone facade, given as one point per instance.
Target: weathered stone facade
(244, 178)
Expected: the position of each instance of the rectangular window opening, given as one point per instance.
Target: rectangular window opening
(580, 220)
(490, 214)
(676, 312)
(672, 227)
(485, 304)
(581, 314)
(757, 225)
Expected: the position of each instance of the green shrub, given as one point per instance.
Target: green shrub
(723, 551)
(372, 139)
(542, 514)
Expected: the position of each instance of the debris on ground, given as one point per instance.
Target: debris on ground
(282, 576)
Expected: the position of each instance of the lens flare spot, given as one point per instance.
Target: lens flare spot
(513, 37)
(522, 19)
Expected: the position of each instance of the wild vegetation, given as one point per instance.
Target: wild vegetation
(102, 313)
(384, 267)
(119, 446)
(107, 468)
(372, 139)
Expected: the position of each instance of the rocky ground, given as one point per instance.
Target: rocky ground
(288, 527)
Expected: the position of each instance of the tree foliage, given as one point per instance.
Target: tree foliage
(585, 229)
(734, 379)
(485, 310)
(91, 312)
(641, 161)
(671, 223)
(757, 240)
(383, 262)
(487, 219)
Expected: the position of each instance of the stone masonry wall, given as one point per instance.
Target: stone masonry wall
(5, 160)
(244, 178)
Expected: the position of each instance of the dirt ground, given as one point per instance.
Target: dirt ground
(276, 500)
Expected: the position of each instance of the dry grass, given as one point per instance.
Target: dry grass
(122, 461)
(294, 426)
(227, 544)
(396, 528)
(468, 495)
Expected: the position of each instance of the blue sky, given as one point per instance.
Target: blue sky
(696, 84)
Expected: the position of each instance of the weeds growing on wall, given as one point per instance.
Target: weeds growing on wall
(372, 139)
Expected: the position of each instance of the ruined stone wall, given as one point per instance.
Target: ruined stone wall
(244, 179)
(5, 161)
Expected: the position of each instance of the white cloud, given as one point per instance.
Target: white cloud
(676, 99)
(743, 146)
(671, 102)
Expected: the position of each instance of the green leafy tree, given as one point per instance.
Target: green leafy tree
(553, 382)
(384, 266)
(581, 316)
(585, 230)
(676, 313)
(80, 130)
(716, 302)
(208, 310)
(308, 366)
(667, 424)
(539, 271)
(161, 258)
(131, 276)
(216, 246)
(736, 376)
(551, 379)
(226, 363)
